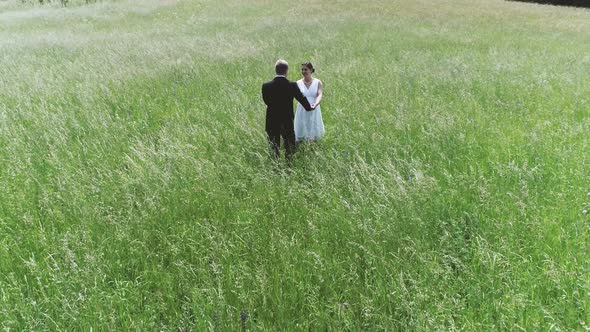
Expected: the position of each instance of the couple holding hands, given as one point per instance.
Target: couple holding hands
(306, 124)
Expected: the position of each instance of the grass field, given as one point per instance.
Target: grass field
(137, 193)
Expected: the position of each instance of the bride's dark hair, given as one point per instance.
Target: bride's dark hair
(309, 66)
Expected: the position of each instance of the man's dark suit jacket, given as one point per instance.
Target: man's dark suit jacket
(278, 96)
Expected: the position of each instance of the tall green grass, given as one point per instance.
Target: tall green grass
(137, 193)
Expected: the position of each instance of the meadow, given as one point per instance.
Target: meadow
(450, 192)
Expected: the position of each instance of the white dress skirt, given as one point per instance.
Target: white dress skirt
(308, 125)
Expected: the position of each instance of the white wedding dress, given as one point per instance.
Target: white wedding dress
(308, 125)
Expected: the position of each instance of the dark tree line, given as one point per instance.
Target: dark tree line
(573, 3)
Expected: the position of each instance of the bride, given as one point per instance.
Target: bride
(309, 125)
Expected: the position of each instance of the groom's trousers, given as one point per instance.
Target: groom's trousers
(275, 133)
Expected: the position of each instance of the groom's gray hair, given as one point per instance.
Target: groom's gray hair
(281, 67)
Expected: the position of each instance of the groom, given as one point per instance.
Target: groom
(278, 96)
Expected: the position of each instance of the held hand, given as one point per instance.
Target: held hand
(312, 106)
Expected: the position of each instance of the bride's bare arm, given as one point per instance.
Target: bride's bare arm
(318, 99)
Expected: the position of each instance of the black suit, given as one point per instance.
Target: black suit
(278, 96)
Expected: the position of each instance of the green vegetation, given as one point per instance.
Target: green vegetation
(137, 194)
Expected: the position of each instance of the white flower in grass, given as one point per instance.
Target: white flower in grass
(584, 211)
